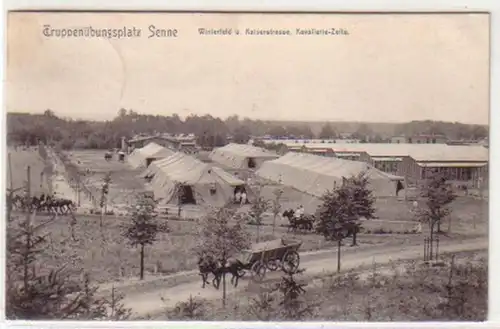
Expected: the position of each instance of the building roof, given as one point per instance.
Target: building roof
(387, 159)
(420, 152)
(452, 164)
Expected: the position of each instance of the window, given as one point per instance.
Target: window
(453, 173)
(467, 173)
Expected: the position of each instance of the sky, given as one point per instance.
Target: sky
(389, 68)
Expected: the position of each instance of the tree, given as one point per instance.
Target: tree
(257, 210)
(104, 196)
(122, 113)
(263, 306)
(192, 309)
(222, 235)
(327, 132)
(49, 113)
(479, 132)
(364, 132)
(51, 294)
(241, 135)
(278, 131)
(144, 226)
(276, 205)
(346, 205)
(342, 208)
(293, 306)
(438, 195)
(93, 308)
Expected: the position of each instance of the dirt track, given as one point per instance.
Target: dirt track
(149, 302)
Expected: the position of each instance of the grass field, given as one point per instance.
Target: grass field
(111, 259)
(108, 257)
(124, 180)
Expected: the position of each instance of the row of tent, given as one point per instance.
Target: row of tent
(171, 174)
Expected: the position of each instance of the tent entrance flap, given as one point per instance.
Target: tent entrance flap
(149, 160)
(186, 194)
(251, 163)
(399, 187)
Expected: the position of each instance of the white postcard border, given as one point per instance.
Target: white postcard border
(492, 6)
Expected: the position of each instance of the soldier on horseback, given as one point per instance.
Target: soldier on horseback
(299, 212)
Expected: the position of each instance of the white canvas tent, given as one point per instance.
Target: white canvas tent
(143, 156)
(315, 175)
(239, 156)
(201, 182)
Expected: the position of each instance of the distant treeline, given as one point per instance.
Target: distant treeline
(29, 129)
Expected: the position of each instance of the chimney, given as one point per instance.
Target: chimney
(124, 145)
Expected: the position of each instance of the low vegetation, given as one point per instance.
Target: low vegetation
(457, 290)
(36, 292)
(67, 256)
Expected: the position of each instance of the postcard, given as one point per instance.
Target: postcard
(209, 166)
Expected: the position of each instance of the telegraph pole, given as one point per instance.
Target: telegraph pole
(28, 226)
(10, 172)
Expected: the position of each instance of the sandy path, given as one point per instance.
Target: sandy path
(60, 184)
(149, 303)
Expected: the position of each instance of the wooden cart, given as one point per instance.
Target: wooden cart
(272, 255)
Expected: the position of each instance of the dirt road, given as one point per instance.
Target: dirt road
(150, 303)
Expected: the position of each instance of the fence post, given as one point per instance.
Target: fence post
(437, 247)
(425, 249)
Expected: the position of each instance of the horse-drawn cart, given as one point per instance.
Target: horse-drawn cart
(272, 255)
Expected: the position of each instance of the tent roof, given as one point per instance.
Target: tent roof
(246, 151)
(152, 149)
(331, 166)
(186, 169)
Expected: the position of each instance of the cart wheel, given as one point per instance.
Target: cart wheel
(290, 262)
(258, 271)
(272, 265)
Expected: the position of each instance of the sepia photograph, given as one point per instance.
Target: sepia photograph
(211, 166)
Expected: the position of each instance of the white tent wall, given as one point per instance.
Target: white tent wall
(186, 170)
(315, 174)
(135, 159)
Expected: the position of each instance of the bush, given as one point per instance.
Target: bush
(192, 309)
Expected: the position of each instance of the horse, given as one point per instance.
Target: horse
(208, 264)
(64, 205)
(345, 230)
(108, 156)
(305, 222)
(234, 267)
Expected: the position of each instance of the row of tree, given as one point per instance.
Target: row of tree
(210, 131)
